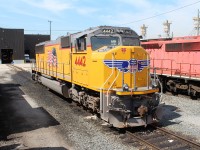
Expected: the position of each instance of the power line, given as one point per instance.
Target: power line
(161, 13)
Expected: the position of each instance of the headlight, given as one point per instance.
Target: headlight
(125, 87)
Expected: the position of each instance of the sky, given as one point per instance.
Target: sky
(76, 15)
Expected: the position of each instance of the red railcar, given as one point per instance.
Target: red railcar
(177, 63)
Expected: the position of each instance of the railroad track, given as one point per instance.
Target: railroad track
(21, 71)
(159, 138)
(15, 67)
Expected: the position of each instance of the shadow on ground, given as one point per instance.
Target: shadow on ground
(16, 146)
(170, 113)
(16, 115)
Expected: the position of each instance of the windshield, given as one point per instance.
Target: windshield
(130, 41)
(100, 41)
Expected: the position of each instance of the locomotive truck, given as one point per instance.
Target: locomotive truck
(105, 70)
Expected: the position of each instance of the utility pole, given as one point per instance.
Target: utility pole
(50, 28)
(197, 23)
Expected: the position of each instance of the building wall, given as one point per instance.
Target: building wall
(30, 40)
(13, 39)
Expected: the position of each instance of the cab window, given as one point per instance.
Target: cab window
(100, 41)
(130, 41)
(65, 42)
(81, 43)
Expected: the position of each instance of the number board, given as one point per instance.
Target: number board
(119, 31)
(108, 31)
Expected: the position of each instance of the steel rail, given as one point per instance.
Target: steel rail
(16, 67)
(192, 143)
(142, 140)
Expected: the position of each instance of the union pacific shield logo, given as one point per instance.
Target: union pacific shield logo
(127, 65)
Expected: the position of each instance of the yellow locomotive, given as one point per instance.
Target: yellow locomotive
(103, 68)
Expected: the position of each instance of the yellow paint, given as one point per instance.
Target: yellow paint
(87, 69)
(137, 92)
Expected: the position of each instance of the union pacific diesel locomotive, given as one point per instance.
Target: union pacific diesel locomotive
(104, 69)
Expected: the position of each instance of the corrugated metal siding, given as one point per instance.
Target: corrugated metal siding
(13, 39)
(31, 40)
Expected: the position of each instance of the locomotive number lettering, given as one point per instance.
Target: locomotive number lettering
(80, 61)
(108, 30)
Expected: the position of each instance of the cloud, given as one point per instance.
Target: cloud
(86, 10)
(136, 3)
(57, 6)
(31, 14)
(54, 6)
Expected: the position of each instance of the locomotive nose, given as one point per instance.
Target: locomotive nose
(133, 63)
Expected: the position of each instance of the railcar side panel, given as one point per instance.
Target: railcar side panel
(177, 63)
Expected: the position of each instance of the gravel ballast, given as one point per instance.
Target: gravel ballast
(182, 115)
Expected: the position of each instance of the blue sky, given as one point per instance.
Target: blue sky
(76, 15)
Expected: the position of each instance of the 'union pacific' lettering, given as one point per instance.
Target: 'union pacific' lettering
(80, 61)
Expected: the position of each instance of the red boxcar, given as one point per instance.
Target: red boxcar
(177, 63)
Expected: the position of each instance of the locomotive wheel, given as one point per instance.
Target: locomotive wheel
(193, 95)
(174, 93)
(33, 76)
(163, 82)
(168, 86)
